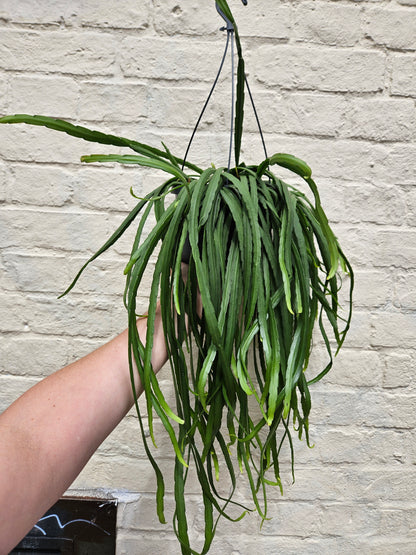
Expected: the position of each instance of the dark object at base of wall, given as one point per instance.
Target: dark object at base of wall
(73, 527)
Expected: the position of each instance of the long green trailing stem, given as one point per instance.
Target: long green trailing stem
(94, 136)
(266, 264)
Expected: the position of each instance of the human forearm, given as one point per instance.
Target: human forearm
(49, 434)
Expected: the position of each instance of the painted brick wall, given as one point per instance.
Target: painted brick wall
(335, 84)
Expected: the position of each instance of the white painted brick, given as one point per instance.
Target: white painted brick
(271, 21)
(37, 273)
(59, 51)
(279, 543)
(341, 517)
(398, 370)
(411, 207)
(69, 231)
(395, 544)
(126, 439)
(104, 276)
(373, 289)
(127, 503)
(397, 164)
(381, 120)
(359, 333)
(348, 201)
(334, 160)
(403, 75)
(356, 369)
(393, 329)
(3, 92)
(112, 102)
(181, 106)
(108, 188)
(296, 517)
(126, 14)
(328, 23)
(169, 59)
(332, 70)
(383, 248)
(6, 280)
(54, 96)
(16, 313)
(391, 486)
(185, 18)
(360, 483)
(359, 445)
(369, 408)
(398, 521)
(313, 482)
(128, 473)
(147, 544)
(302, 113)
(390, 329)
(391, 28)
(54, 12)
(4, 178)
(379, 164)
(405, 283)
(33, 356)
(71, 316)
(39, 185)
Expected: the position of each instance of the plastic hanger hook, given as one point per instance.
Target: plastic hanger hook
(230, 26)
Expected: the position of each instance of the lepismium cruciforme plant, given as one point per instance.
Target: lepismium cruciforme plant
(267, 264)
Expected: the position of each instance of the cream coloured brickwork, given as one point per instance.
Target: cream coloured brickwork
(335, 84)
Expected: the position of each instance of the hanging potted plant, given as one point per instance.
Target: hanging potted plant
(266, 264)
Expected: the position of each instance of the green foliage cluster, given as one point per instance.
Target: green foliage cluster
(267, 266)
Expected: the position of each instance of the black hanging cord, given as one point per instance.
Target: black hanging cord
(256, 116)
(230, 36)
(229, 33)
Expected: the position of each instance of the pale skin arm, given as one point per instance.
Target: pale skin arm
(49, 433)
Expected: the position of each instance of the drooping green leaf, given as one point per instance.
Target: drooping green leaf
(93, 136)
